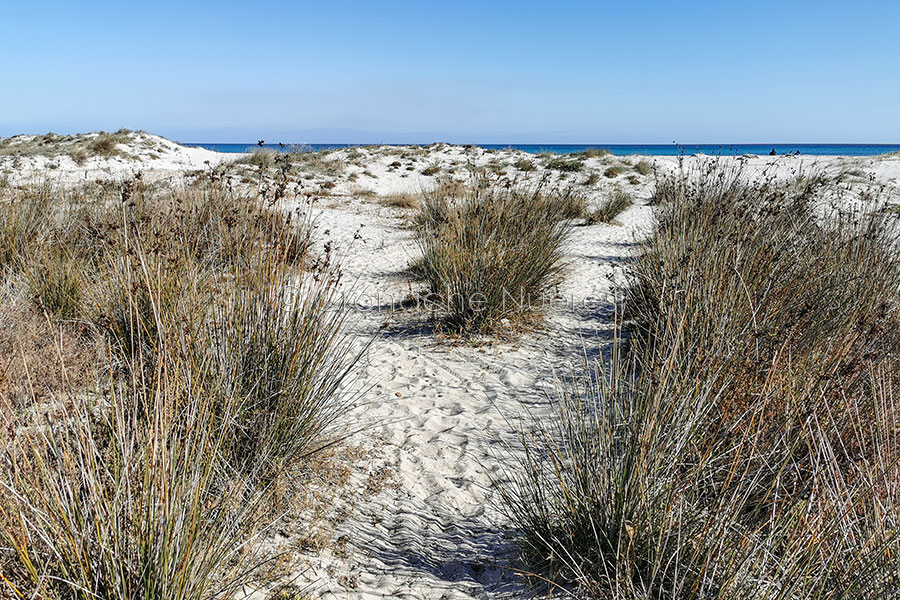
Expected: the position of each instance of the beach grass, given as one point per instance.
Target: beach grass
(490, 253)
(221, 364)
(611, 207)
(740, 440)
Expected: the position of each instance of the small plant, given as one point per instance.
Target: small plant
(643, 167)
(612, 207)
(592, 179)
(490, 253)
(431, 170)
(596, 153)
(525, 165)
(614, 171)
(565, 165)
(403, 201)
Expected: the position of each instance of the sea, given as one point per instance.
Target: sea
(617, 149)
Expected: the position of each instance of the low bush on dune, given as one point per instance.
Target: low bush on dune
(643, 167)
(566, 165)
(491, 253)
(226, 365)
(611, 207)
(403, 201)
(614, 171)
(596, 153)
(745, 446)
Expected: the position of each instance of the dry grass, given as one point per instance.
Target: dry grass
(491, 253)
(747, 446)
(614, 171)
(596, 153)
(223, 364)
(618, 202)
(401, 201)
(644, 167)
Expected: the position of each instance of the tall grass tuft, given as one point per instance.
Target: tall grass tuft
(279, 346)
(614, 205)
(745, 446)
(227, 364)
(492, 253)
(123, 494)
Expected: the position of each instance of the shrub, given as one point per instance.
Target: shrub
(611, 208)
(614, 171)
(23, 219)
(592, 179)
(105, 145)
(225, 369)
(404, 201)
(431, 170)
(280, 354)
(260, 157)
(643, 167)
(490, 253)
(596, 153)
(57, 284)
(131, 504)
(525, 165)
(746, 446)
(565, 165)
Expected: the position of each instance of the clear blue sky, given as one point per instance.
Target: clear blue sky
(489, 72)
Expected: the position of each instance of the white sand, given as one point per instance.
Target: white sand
(436, 412)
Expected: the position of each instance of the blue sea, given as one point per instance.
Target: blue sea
(620, 149)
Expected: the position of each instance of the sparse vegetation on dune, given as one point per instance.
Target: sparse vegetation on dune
(643, 167)
(403, 201)
(611, 207)
(79, 147)
(614, 171)
(225, 356)
(596, 153)
(566, 165)
(745, 446)
(491, 253)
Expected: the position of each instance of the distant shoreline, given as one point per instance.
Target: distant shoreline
(615, 149)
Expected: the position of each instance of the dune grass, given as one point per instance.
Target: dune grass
(225, 365)
(490, 254)
(611, 207)
(744, 446)
(643, 167)
(401, 201)
(614, 171)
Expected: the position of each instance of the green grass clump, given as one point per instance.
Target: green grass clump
(612, 207)
(614, 171)
(525, 165)
(490, 253)
(744, 444)
(644, 167)
(565, 165)
(225, 366)
(596, 153)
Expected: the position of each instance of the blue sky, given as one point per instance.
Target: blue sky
(486, 72)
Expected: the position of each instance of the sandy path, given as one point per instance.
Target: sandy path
(437, 415)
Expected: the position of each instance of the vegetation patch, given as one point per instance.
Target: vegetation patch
(490, 254)
(742, 443)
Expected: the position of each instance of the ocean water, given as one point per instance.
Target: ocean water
(622, 149)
